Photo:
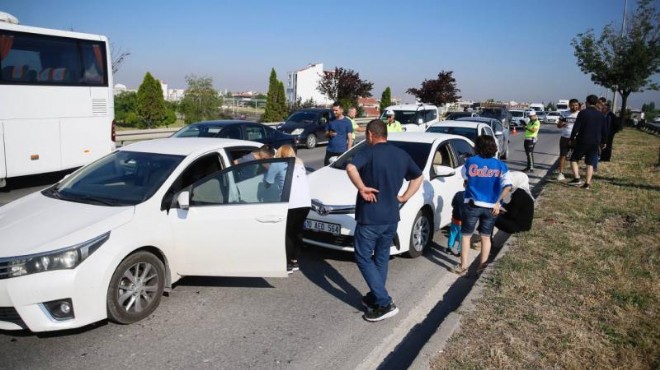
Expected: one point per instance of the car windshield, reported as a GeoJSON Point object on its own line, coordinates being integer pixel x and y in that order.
{"type": "Point", "coordinates": [118, 179]}
{"type": "Point", "coordinates": [515, 113]}
{"type": "Point", "coordinates": [199, 131]}
{"type": "Point", "coordinates": [302, 117]}
{"type": "Point", "coordinates": [495, 113]}
{"type": "Point", "coordinates": [403, 116]}
{"type": "Point", "coordinates": [418, 151]}
{"type": "Point", "coordinates": [468, 132]}
{"type": "Point", "coordinates": [553, 113]}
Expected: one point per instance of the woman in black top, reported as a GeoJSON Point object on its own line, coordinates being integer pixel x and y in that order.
{"type": "Point", "coordinates": [519, 212]}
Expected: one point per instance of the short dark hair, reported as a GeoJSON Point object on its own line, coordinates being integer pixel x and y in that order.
{"type": "Point", "coordinates": [377, 128]}
{"type": "Point", "coordinates": [592, 99]}
{"type": "Point", "coordinates": [573, 101]}
{"type": "Point", "coordinates": [485, 146]}
{"type": "Point", "coordinates": [337, 104]}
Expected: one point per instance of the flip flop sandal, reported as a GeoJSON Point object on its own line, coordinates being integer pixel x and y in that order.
{"type": "Point", "coordinates": [460, 271]}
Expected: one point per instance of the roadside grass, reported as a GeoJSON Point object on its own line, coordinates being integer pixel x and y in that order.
{"type": "Point", "coordinates": [580, 290]}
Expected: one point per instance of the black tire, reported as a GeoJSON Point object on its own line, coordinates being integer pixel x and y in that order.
{"type": "Point", "coordinates": [420, 235]}
{"type": "Point", "coordinates": [135, 288]}
{"type": "Point", "coordinates": [310, 142]}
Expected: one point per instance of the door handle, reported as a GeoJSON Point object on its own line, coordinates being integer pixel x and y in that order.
{"type": "Point", "coordinates": [270, 219]}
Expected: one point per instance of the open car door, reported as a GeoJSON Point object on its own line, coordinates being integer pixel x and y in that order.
{"type": "Point", "coordinates": [233, 223]}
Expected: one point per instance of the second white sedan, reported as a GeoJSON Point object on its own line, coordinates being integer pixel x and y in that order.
{"type": "Point", "coordinates": [331, 222]}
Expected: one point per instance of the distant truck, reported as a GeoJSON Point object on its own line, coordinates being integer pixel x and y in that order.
{"type": "Point", "coordinates": [562, 105]}
{"type": "Point", "coordinates": [537, 107]}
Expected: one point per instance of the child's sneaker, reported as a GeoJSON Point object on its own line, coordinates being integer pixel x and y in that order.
{"type": "Point", "coordinates": [561, 177]}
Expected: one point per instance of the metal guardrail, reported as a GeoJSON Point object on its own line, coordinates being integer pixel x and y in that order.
{"type": "Point", "coordinates": [650, 127]}
{"type": "Point", "coordinates": [129, 136]}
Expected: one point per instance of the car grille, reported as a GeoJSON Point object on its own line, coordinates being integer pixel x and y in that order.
{"type": "Point", "coordinates": [327, 238]}
{"type": "Point", "coordinates": [9, 314]}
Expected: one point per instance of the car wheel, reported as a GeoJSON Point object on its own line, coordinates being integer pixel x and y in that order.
{"type": "Point", "coordinates": [310, 142]}
{"type": "Point", "coordinates": [135, 288]}
{"type": "Point", "coordinates": [420, 235]}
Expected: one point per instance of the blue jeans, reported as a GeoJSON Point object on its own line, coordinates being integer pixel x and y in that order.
{"type": "Point", "coordinates": [372, 254]}
{"type": "Point", "coordinates": [474, 214]}
{"type": "Point", "coordinates": [455, 235]}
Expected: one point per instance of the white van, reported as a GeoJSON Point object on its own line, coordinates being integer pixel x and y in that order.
{"type": "Point", "coordinates": [413, 117]}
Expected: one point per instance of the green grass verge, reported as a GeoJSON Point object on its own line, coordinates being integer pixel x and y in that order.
{"type": "Point", "coordinates": [580, 290]}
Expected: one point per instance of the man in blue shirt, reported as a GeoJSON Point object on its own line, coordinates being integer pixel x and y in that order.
{"type": "Point", "coordinates": [339, 133]}
{"type": "Point", "coordinates": [378, 172]}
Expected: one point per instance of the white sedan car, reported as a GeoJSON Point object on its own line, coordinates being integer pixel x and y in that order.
{"type": "Point", "coordinates": [472, 130]}
{"type": "Point", "coordinates": [331, 222]}
{"type": "Point", "coordinates": [106, 241]}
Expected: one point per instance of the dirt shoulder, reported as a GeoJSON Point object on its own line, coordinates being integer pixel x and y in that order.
{"type": "Point", "coordinates": [581, 289]}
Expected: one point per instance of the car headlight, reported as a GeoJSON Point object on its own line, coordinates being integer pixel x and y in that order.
{"type": "Point", "coordinates": [61, 259]}
{"type": "Point", "coordinates": [297, 131]}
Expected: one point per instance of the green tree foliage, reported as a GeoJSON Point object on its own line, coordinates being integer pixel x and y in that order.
{"type": "Point", "coordinates": [299, 104]}
{"type": "Point", "coordinates": [551, 107]}
{"type": "Point", "coordinates": [276, 108]}
{"type": "Point", "coordinates": [623, 62]}
{"type": "Point", "coordinates": [439, 91]}
{"type": "Point", "coordinates": [386, 99]}
{"type": "Point", "coordinates": [125, 108]}
{"type": "Point", "coordinates": [345, 86]}
{"type": "Point", "coordinates": [201, 101]}
{"type": "Point", "coordinates": [151, 103]}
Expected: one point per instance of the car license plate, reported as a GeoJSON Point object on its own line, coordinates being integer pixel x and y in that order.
{"type": "Point", "coordinates": [322, 227]}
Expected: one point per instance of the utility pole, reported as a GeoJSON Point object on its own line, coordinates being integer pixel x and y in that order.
{"type": "Point", "coordinates": [623, 28]}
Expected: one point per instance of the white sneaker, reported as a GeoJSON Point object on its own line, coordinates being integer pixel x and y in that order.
{"type": "Point", "coordinates": [561, 177]}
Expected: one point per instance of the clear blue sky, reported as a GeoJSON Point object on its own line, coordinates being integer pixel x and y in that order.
{"type": "Point", "coordinates": [500, 49]}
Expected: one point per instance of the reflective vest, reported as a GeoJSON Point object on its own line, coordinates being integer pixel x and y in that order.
{"type": "Point", "coordinates": [530, 126]}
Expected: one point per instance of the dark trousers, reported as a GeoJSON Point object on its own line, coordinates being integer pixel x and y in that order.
{"type": "Point", "coordinates": [606, 154]}
{"type": "Point", "coordinates": [529, 150]}
{"type": "Point", "coordinates": [507, 225]}
{"type": "Point", "coordinates": [295, 220]}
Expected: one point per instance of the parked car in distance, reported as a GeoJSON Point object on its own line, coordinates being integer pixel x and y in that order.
{"type": "Point", "coordinates": [501, 113]}
{"type": "Point", "coordinates": [552, 117]}
{"type": "Point", "coordinates": [240, 130]}
{"type": "Point", "coordinates": [308, 125]}
{"type": "Point", "coordinates": [468, 129]}
{"type": "Point", "coordinates": [501, 133]}
{"type": "Point", "coordinates": [519, 117]}
{"type": "Point", "coordinates": [106, 241]}
{"type": "Point", "coordinates": [413, 117]}
{"type": "Point", "coordinates": [331, 222]}
{"type": "Point", "coordinates": [541, 115]}
{"type": "Point", "coordinates": [457, 115]}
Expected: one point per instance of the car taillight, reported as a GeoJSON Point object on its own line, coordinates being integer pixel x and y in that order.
{"type": "Point", "coordinates": [113, 134]}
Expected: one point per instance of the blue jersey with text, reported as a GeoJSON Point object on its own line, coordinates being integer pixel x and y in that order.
{"type": "Point", "coordinates": [486, 178]}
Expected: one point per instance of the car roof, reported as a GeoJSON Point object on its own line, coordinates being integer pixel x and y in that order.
{"type": "Point", "coordinates": [185, 146]}
{"type": "Point", "coordinates": [420, 137]}
{"type": "Point", "coordinates": [411, 107]}
{"type": "Point", "coordinates": [452, 123]}
{"type": "Point", "coordinates": [485, 120]}
{"type": "Point", "coordinates": [311, 110]}
{"type": "Point", "coordinates": [222, 122]}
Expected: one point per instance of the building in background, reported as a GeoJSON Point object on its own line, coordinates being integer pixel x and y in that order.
{"type": "Point", "coordinates": [303, 83]}
{"type": "Point", "coordinates": [370, 107]}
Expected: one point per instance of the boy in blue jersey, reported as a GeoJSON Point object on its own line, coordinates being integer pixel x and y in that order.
{"type": "Point", "coordinates": [487, 182]}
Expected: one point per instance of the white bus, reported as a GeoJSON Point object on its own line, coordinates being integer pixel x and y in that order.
{"type": "Point", "coordinates": [56, 100]}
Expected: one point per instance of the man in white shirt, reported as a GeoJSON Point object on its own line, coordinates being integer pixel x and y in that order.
{"type": "Point", "coordinates": [566, 122]}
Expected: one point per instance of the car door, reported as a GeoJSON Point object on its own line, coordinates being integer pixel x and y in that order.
{"type": "Point", "coordinates": [234, 224]}
{"type": "Point", "coordinates": [445, 187]}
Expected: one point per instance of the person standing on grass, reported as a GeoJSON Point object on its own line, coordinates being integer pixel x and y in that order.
{"type": "Point", "coordinates": [378, 172]}
{"type": "Point", "coordinates": [565, 123]}
{"type": "Point", "coordinates": [339, 132]}
{"type": "Point", "coordinates": [589, 134]}
{"type": "Point", "coordinates": [614, 126]}
{"type": "Point", "coordinates": [531, 135]}
{"type": "Point", "coordinates": [486, 184]}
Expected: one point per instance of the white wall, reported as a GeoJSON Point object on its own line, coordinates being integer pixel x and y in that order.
{"type": "Point", "coordinates": [303, 84]}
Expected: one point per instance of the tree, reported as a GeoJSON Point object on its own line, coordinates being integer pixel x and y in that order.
{"type": "Point", "coordinates": [439, 91]}
{"type": "Point", "coordinates": [201, 101]}
{"type": "Point", "coordinates": [386, 99]}
{"type": "Point", "coordinates": [125, 108]}
{"type": "Point", "coordinates": [623, 63]}
{"type": "Point", "coordinates": [151, 103]}
{"type": "Point", "coordinates": [344, 86]}
{"type": "Point", "coordinates": [276, 108]}
{"type": "Point", "coordinates": [118, 56]}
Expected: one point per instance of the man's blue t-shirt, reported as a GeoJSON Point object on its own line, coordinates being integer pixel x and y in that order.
{"type": "Point", "coordinates": [486, 178]}
{"type": "Point", "coordinates": [339, 142]}
{"type": "Point", "coordinates": [382, 166]}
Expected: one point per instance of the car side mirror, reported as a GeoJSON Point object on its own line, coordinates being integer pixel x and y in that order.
{"type": "Point", "coordinates": [443, 171]}
{"type": "Point", "coordinates": [420, 121]}
{"type": "Point", "coordinates": [499, 133]}
{"type": "Point", "coordinates": [332, 159]}
{"type": "Point", "coordinates": [183, 199]}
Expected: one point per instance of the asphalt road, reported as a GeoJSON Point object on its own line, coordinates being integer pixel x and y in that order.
{"type": "Point", "coordinates": [310, 320]}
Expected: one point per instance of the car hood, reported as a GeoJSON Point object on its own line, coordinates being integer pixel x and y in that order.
{"type": "Point", "coordinates": [332, 186]}
{"type": "Point", "coordinates": [37, 223]}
